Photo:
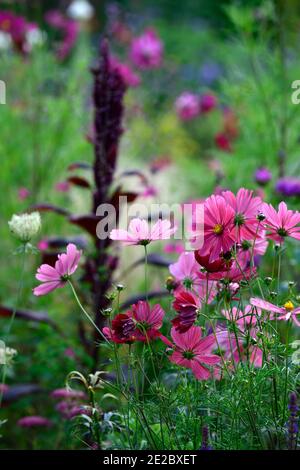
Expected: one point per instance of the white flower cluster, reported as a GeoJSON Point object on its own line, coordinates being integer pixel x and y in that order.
{"type": "Point", "coordinates": [6, 354]}
{"type": "Point", "coordinates": [25, 226]}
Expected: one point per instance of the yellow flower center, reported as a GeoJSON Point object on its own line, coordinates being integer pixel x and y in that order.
{"type": "Point", "coordinates": [218, 229]}
{"type": "Point", "coordinates": [289, 305]}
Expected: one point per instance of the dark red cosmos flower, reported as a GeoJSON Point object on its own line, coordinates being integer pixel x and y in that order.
{"type": "Point", "coordinates": [218, 265]}
{"type": "Point", "coordinates": [123, 329]}
{"type": "Point", "coordinates": [187, 305]}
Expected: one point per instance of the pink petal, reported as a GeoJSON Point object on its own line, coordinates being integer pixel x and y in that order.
{"type": "Point", "coordinates": [264, 305]}
{"type": "Point", "coordinates": [47, 273]}
{"type": "Point", "coordinates": [200, 372]}
{"type": "Point", "coordinates": [47, 287]}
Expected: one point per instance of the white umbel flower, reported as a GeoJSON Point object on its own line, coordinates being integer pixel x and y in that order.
{"type": "Point", "coordinates": [80, 10]}
{"type": "Point", "coordinates": [5, 41]}
{"type": "Point", "coordinates": [6, 354]}
{"type": "Point", "coordinates": [25, 226]}
{"type": "Point", "coordinates": [35, 37]}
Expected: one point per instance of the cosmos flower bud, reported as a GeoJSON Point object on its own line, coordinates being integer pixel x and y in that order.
{"type": "Point", "coordinates": [268, 281]}
{"type": "Point", "coordinates": [25, 226]}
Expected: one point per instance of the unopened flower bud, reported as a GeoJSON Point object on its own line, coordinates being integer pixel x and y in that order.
{"type": "Point", "coordinates": [170, 284]}
{"type": "Point", "coordinates": [120, 287]}
{"type": "Point", "coordinates": [106, 312]}
{"type": "Point", "coordinates": [261, 217]}
{"type": "Point", "coordinates": [273, 295]}
{"type": "Point", "coordinates": [25, 226]}
{"type": "Point", "coordinates": [268, 281]}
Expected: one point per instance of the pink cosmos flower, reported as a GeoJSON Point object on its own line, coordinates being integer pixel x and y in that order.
{"type": "Point", "coordinates": [243, 319]}
{"type": "Point", "coordinates": [140, 233]}
{"type": "Point", "coordinates": [34, 421]}
{"type": "Point", "coordinates": [194, 352]}
{"type": "Point", "coordinates": [252, 248]}
{"type": "Point", "coordinates": [140, 323]}
{"type": "Point", "coordinates": [147, 50]}
{"type": "Point", "coordinates": [23, 193]}
{"type": "Point", "coordinates": [286, 312]}
{"type": "Point", "coordinates": [246, 208]}
{"type": "Point", "coordinates": [52, 278]}
{"type": "Point", "coordinates": [187, 106]}
{"type": "Point", "coordinates": [246, 322]}
{"type": "Point", "coordinates": [218, 225]}
{"type": "Point", "coordinates": [186, 269]}
{"type": "Point", "coordinates": [207, 103]}
{"type": "Point", "coordinates": [281, 224]}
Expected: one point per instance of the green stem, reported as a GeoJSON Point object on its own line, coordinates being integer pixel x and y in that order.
{"type": "Point", "coordinates": [86, 313]}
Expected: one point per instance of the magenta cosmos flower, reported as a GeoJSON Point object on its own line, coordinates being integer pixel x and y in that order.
{"type": "Point", "coordinates": [130, 78]}
{"type": "Point", "coordinates": [54, 277]}
{"type": "Point", "coordinates": [286, 312]}
{"type": "Point", "coordinates": [34, 421]}
{"type": "Point", "coordinates": [194, 352]}
{"type": "Point", "coordinates": [281, 224]}
{"type": "Point", "coordinates": [140, 323]}
{"type": "Point", "coordinates": [140, 233]}
{"type": "Point", "coordinates": [207, 103]}
{"type": "Point", "coordinates": [218, 225]}
{"type": "Point", "coordinates": [147, 50]}
{"type": "Point", "coordinates": [187, 106]}
{"type": "Point", "coordinates": [246, 208]}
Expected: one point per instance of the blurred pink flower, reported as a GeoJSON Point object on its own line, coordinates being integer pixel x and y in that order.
{"type": "Point", "coordinates": [23, 193]}
{"type": "Point", "coordinates": [281, 224]}
{"type": "Point", "coordinates": [194, 352]}
{"type": "Point", "coordinates": [207, 103]}
{"type": "Point", "coordinates": [131, 79]}
{"type": "Point", "coordinates": [140, 233]}
{"type": "Point", "coordinates": [69, 353]}
{"type": "Point", "coordinates": [187, 106]}
{"type": "Point", "coordinates": [3, 388]}
{"type": "Point", "coordinates": [176, 248]}
{"type": "Point", "coordinates": [147, 50]}
{"type": "Point", "coordinates": [150, 191]}
{"type": "Point", "coordinates": [223, 142]}
{"type": "Point", "coordinates": [68, 28]}
{"type": "Point", "coordinates": [62, 186]}
{"type": "Point", "coordinates": [52, 278]}
{"type": "Point", "coordinates": [43, 245]}
{"type": "Point", "coordinates": [67, 394]}
{"type": "Point", "coordinates": [34, 421]}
